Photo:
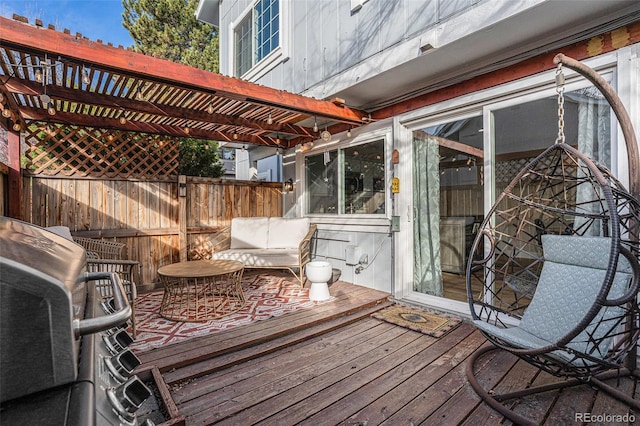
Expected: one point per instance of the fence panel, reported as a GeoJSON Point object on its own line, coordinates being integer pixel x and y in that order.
{"type": "Point", "coordinates": [144, 214]}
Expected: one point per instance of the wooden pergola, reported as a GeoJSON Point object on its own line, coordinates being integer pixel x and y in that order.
{"type": "Point", "coordinates": [58, 78]}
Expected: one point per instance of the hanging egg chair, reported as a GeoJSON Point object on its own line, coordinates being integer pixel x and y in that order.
{"type": "Point", "coordinates": [554, 277]}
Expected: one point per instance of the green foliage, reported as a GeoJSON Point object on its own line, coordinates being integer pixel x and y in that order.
{"type": "Point", "coordinates": [168, 29]}
{"type": "Point", "coordinates": [199, 158]}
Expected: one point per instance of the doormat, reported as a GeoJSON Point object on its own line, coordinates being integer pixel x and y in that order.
{"type": "Point", "coordinates": [429, 323]}
{"type": "Point", "coordinates": [268, 295]}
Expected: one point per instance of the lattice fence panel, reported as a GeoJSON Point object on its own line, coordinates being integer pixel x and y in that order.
{"type": "Point", "coordinates": [507, 170]}
{"type": "Point", "coordinates": [86, 151]}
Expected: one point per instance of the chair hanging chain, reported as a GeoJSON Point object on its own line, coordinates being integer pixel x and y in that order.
{"type": "Point", "coordinates": [560, 91]}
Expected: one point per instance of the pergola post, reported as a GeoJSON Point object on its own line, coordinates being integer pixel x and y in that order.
{"type": "Point", "coordinates": [182, 217]}
{"type": "Point", "coordinates": [15, 180]}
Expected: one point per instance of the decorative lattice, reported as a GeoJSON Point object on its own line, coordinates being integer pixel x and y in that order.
{"type": "Point", "coordinates": [87, 151]}
{"type": "Point", "coordinates": [507, 170]}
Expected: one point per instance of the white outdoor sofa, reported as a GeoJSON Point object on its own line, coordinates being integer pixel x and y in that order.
{"type": "Point", "coordinates": [268, 242]}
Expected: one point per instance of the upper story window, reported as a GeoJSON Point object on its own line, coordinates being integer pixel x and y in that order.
{"type": "Point", "coordinates": [267, 27]}
{"type": "Point", "coordinates": [257, 39]}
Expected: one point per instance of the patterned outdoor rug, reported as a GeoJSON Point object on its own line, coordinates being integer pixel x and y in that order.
{"type": "Point", "coordinates": [268, 295]}
{"type": "Point", "coordinates": [430, 323]}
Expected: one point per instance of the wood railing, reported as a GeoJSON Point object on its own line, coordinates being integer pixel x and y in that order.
{"type": "Point", "coordinates": [158, 226]}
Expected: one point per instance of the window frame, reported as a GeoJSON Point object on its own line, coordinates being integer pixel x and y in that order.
{"type": "Point", "coordinates": [338, 145]}
{"type": "Point", "coordinates": [278, 55]}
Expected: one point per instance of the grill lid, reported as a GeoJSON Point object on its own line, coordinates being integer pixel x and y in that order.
{"type": "Point", "coordinates": [42, 291]}
{"type": "Point", "coordinates": [40, 249]}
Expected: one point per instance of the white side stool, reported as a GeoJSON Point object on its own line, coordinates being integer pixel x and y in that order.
{"type": "Point", "coordinates": [319, 273]}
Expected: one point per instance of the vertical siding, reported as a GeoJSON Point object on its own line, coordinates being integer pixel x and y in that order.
{"type": "Point", "coordinates": [420, 15]}
{"type": "Point", "coordinates": [229, 12]}
{"type": "Point", "coordinates": [447, 9]}
{"type": "Point", "coordinates": [398, 13]}
{"type": "Point", "coordinates": [369, 22]}
{"type": "Point", "coordinates": [312, 31]}
{"type": "Point", "coordinates": [297, 69]}
{"type": "Point", "coordinates": [325, 38]}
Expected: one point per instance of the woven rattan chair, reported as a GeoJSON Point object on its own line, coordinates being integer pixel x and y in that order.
{"type": "Point", "coordinates": [555, 275]}
{"type": "Point", "coordinates": [108, 256]}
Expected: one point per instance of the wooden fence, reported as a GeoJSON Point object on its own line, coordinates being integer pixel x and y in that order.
{"type": "Point", "coordinates": [158, 226]}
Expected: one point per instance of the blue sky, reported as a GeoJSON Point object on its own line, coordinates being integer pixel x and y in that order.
{"type": "Point", "coordinates": [94, 19]}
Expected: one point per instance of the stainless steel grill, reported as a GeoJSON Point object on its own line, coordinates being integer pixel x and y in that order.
{"type": "Point", "coordinates": [64, 357]}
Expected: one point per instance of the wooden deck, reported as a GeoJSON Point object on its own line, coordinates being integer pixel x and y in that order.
{"type": "Point", "coordinates": [335, 364]}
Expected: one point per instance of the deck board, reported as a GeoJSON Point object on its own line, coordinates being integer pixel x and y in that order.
{"type": "Point", "coordinates": [310, 351]}
{"type": "Point", "coordinates": [177, 355]}
{"type": "Point", "coordinates": [280, 390]}
{"type": "Point", "coordinates": [571, 401]}
{"type": "Point", "coordinates": [335, 364]}
{"type": "Point", "coordinates": [535, 406]}
{"type": "Point", "coordinates": [331, 387]}
{"type": "Point", "coordinates": [605, 404]}
{"type": "Point", "coordinates": [451, 398]}
{"type": "Point", "coordinates": [383, 396]}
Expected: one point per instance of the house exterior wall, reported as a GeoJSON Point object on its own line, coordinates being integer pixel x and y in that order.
{"type": "Point", "coordinates": [326, 37]}
{"type": "Point", "coordinates": [334, 47]}
{"type": "Point", "coordinates": [344, 240]}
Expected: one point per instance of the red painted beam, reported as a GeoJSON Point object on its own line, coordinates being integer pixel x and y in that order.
{"type": "Point", "coordinates": [29, 37]}
{"type": "Point", "coordinates": [597, 45]}
{"type": "Point", "coordinates": [61, 117]}
{"type": "Point", "coordinates": [101, 100]}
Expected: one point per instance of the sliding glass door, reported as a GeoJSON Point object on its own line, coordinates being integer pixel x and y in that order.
{"type": "Point", "coordinates": [459, 166]}
{"type": "Point", "coordinates": [448, 204]}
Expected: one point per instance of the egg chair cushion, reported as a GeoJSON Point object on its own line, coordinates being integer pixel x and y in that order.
{"type": "Point", "coordinates": [572, 276]}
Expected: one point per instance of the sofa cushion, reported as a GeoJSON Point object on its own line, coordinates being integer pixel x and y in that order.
{"type": "Point", "coordinates": [287, 232]}
{"type": "Point", "coordinates": [267, 258]}
{"type": "Point", "coordinates": [249, 232]}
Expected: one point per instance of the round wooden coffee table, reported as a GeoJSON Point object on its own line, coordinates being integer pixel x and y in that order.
{"type": "Point", "coordinates": [201, 290]}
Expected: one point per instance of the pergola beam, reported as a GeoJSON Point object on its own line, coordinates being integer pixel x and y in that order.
{"type": "Point", "coordinates": [24, 36]}
{"type": "Point", "coordinates": [38, 114]}
{"type": "Point", "coordinates": [134, 106]}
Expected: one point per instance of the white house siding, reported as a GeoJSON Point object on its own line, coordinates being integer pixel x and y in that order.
{"type": "Point", "coordinates": [368, 235]}
{"type": "Point", "coordinates": [229, 11]}
{"type": "Point", "coordinates": [377, 50]}
{"type": "Point", "coordinates": [334, 246]}
{"type": "Point", "coordinates": [327, 38]}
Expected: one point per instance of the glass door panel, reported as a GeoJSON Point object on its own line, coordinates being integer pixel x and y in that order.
{"type": "Point", "coordinates": [458, 166]}
{"type": "Point", "coordinates": [448, 201]}
{"type": "Point", "coordinates": [522, 131]}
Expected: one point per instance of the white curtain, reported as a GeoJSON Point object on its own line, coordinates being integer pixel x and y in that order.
{"type": "Point", "coordinates": [594, 140]}
{"type": "Point", "coordinates": [427, 272]}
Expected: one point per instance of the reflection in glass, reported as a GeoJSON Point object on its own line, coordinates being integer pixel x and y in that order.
{"type": "Point", "coordinates": [322, 183]}
{"type": "Point", "coordinates": [364, 181]}
{"type": "Point", "coordinates": [347, 181]}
